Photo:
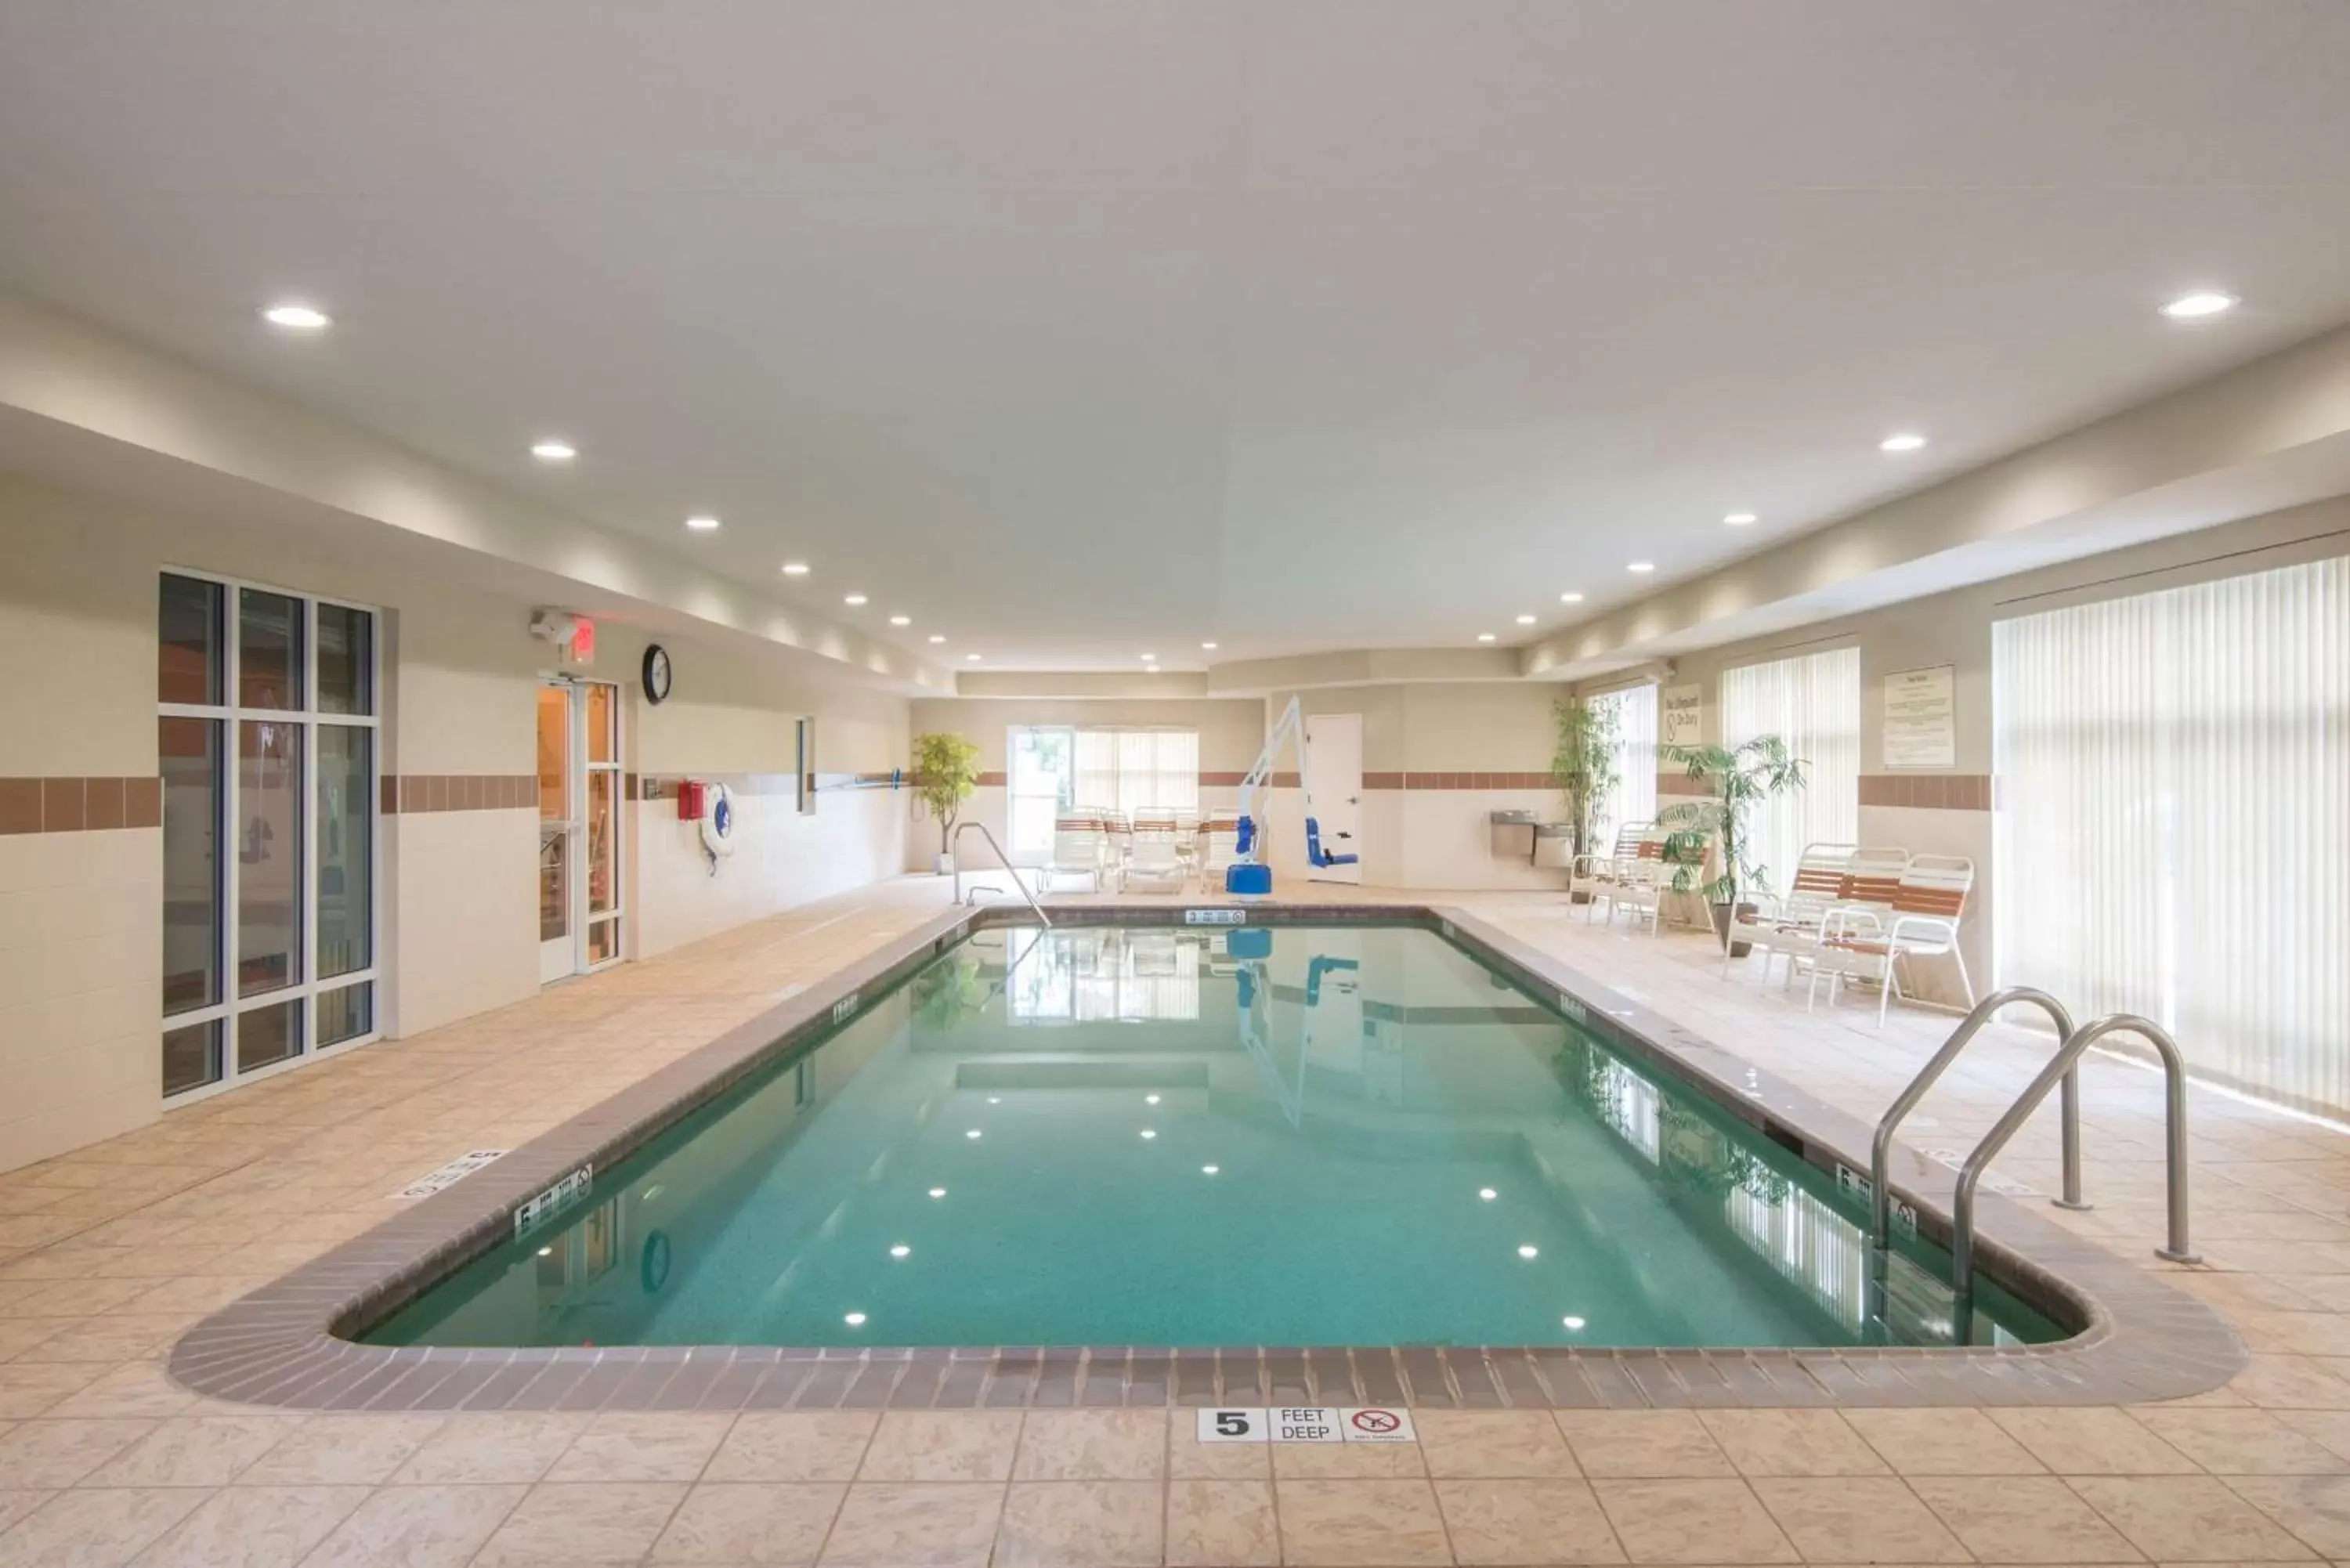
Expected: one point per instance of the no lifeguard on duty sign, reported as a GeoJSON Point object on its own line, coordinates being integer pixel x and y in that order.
{"type": "Point", "coordinates": [1307, 1424]}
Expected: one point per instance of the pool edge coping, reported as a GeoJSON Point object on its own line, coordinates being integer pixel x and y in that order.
{"type": "Point", "coordinates": [282, 1344]}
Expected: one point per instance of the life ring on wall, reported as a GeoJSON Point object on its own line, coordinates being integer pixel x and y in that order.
{"type": "Point", "coordinates": [718, 826]}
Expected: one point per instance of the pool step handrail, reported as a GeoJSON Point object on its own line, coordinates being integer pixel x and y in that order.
{"type": "Point", "coordinates": [2064, 1065]}
{"type": "Point", "coordinates": [955, 854]}
{"type": "Point", "coordinates": [1880, 1153]}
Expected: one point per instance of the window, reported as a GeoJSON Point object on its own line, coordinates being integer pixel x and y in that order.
{"type": "Point", "coordinates": [2173, 819]}
{"type": "Point", "coordinates": [1053, 768]}
{"type": "Point", "coordinates": [804, 733]}
{"type": "Point", "coordinates": [1813, 702]}
{"type": "Point", "coordinates": [266, 735]}
{"type": "Point", "coordinates": [1633, 798]}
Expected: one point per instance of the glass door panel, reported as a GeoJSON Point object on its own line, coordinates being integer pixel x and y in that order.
{"type": "Point", "coordinates": [268, 858]}
{"type": "Point", "coordinates": [1040, 782]}
{"type": "Point", "coordinates": [555, 954]}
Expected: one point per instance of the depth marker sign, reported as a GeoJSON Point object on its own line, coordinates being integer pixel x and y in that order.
{"type": "Point", "coordinates": [1307, 1424]}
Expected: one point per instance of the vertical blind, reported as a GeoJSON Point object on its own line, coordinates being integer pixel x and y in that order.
{"type": "Point", "coordinates": [1813, 702]}
{"type": "Point", "coordinates": [2173, 832]}
{"type": "Point", "coordinates": [1139, 770]}
{"type": "Point", "coordinates": [1635, 798]}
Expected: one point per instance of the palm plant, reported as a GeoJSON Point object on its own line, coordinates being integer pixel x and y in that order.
{"type": "Point", "coordinates": [1584, 764]}
{"type": "Point", "coordinates": [1736, 779]}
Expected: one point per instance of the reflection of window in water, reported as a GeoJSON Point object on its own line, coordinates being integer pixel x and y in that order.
{"type": "Point", "coordinates": [584, 1252]}
{"type": "Point", "coordinates": [1627, 1102]}
{"type": "Point", "coordinates": [1807, 1242]}
{"type": "Point", "coordinates": [1107, 975]}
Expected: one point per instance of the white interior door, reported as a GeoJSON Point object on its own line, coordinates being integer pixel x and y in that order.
{"type": "Point", "coordinates": [1334, 758]}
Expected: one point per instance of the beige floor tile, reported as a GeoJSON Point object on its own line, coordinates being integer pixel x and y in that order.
{"type": "Point", "coordinates": [2292, 1383]}
{"type": "Point", "coordinates": [1792, 1443]}
{"type": "Point", "coordinates": [492, 1447]}
{"type": "Point", "coordinates": [16, 1502]}
{"type": "Point", "coordinates": [1356, 1523]}
{"type": "Point", "coordinates": [793, 1446]}
{"type": "Point", "coordinates": [2241, 1443]}
{"type": "Point", "coordinates": [1081, 1525]}
{"type": "Point", "coordinates": [95, 1529]}
{"type": "Point", "coordinates": [60, 1453]}
{"type": "Point", "coordinates": [1093, 1445]}
{"type": "Point", "coordinates": [771, 1524]}
{"type": "Point", "coordinates": [30, 1389]}
{"type": "Point", "coordinates": [254, 1527]}
{"type": "Point", "coordinates": [1187, 1456]}
{"type": "Point", "coordinates": [583, 1521]}
{"type": "Point", "coordinates": [417, 1527]}
{"type": "Point", "coordinates": [896, 1525]}
{"type": "Point", "coordinates": [1857, 1518]}
{"type": "Point", "coordinates": [1494, 1443]}
{"type": "Point", "coordinates": [623, 1446]}
{"type": "Point", "coordinates": [1221, 1523]}
{"type": "Point", "coordinates": [1643, 1445]}
{"type": "Point", "coordinates": [206, 1450]}
{"type": "Point", "coordinates": [342, 1450]}
{"type": "Point", "coordinates": [2188, 1518]}
{"type": "Point", "coordinates": [140, 1389]}
{"type": "Point", "coordinates": [2092, 1442]}
{"type": "Point", "coordinates": [943, 1446]}
{"type": "Point", "coordinates": [2022, 1519]}
{"type": "Point", "coordinates": [2316, 1509]}
{"type": "Point", "coordinates": [1943, 1443]}
{"type": "Point", "coordinates": [1692, 1521]}
{"type": "Point", "coordinates": [1526, 1521]}
{"type": "Point", "coordinates": [1345, 1461]}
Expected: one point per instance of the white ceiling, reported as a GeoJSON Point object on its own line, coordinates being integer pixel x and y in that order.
{"type": "Point", "coordinates": [1077, 329]}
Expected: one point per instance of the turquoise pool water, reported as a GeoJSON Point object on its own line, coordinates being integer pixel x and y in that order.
{"type": "Point", "coordinates": [1276, 1136]}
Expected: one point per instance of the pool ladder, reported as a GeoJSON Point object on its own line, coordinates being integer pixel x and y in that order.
{"type": "Point", "coordinates": [954, 852]}
{"type": "Point", "coordinates": [2063, 1068]}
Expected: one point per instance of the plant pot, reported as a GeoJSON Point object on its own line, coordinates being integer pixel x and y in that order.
{"type": "Point", "coordinates": [1580, 895]}
{"type": "Point", "coordinates": [944, 864]}
{"type": "Point", "coordinates": [1721, 928]}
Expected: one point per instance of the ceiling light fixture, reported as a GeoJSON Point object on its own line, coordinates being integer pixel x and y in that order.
{"type": "Point", "coordinates": [2202, 302]}
{"type": "Point", "coordinates": [1905, 440]}
{"type": "Point", "coordinates": [1526, 620]}
{"type": "Point", "coordinates": [1641, 567]}
{"type": "Point", "coordinates": [853, 601]}
{"type": "Point", "coordinates": [702, 522]}
{"type": "Point", "coordinates": [1484, 637]}
{"type": "Point", "coordinates": [973, 658]}
{"type": "Point", "coordinates": [1570, 598]}
{"type": "Point", "coordinates": [795, 568]}
{"type": "Point", "coordinates": [1739, 519]}
{"type": "Point", "coordinates": [938, 637]}
{"type": "Point", "coordinates": [1208, 646]}
{"type": "Point", "coordinates": [902, 621]}
{"type": "Point", "coordinates": [297, 317]}
{"type": "Point", "coordinates": [1148, 656]}
{"type": "Point", "coordinates": [552, 451]}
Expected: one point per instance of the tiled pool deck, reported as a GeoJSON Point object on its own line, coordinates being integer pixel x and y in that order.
{"type": "Point", "coordinates": [113, 1253]}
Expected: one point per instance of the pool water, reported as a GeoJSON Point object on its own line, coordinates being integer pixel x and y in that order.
{"type": "Point", "coordinates": [1354, 1134]}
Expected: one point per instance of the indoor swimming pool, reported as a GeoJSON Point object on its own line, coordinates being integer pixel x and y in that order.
{"type": "Point", "coordinates": [1287, 1135]}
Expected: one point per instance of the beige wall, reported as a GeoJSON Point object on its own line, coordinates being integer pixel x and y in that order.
{"type": "Point", "coordinates": [80, 912]}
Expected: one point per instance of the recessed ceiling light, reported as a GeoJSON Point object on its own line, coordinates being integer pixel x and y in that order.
{"type": "Point", "coordinates": [973, 656]}
{"type": "Point", "coordinates": [936, 637]}
{"type": "Point", "coordinates": [1907, 441]}
{"type": "Point", "coordinates": [2202, 302]}
{"type": "Point", "coordinates": [1641, 567]}
{"type": "Point", "coordinates": [1148, 656]}
{"type": "Point", "coordinates": [297, 317]}
{"type": "Point", "coordinates": [552, 451]}
{"type": "Point", "coordinates": [702, 522]}
{"type": "Point", "coordinates": [1208, 646]}
{"type": "Point", "coordinates": [1739, 519]}
{"type": "Point", "coordinates": [1484, 637]}
{"type": "Point", "coordinates": [852, 600]}
{"type": "Point", "coordinates": [1570, 598]}
{"type": "Point", "coordinates": [1150, 669]}
{"type": "Point", "coordinates": [902, 621]}
{"type": "Point", "coordinates": [1526, 620]}
{"type": "Point", "coordinates": [795, 568]}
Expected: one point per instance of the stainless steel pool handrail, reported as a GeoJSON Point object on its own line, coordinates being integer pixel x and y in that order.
{"type": "Point", "coordinates": [2064, 1064]}
{"type": "Point", "coordinates": [1880, 1153]}
{"type": "Point", "coordinates": [955, 854]}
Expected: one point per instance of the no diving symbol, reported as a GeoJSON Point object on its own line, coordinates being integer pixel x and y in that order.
{"type": "Point", "coordinates": [1377, 1423]}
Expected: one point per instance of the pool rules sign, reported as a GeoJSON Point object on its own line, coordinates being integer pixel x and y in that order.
{"type": "Point", "coordinates": [1307, 1424]}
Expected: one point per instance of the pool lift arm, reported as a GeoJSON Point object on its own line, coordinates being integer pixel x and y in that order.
{"type": "Point", "coordinates": [1249, 875]}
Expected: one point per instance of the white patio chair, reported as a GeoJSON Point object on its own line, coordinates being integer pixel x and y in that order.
{"type": "Point", "coordinates": [1118, 842]}
{"type": "Point", "coordinates": [1601, 875]}
{"type": "Point", "coordinates": [1076, 850]}
{"type": "Point", "coordinates": [1929, 903]}
{"type": "Point", "coordinates": [1220, 847]}
{"type": "Point", "coordinates": [1782, 925]}
{"type": "Point", "coordinates": [1648, 880]}
{"type": "Point", "coordinates": [1154, 859]}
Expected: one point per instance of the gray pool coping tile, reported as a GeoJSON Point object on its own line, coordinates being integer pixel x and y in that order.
{"type": "Point", "coordinates": [290, 1344]}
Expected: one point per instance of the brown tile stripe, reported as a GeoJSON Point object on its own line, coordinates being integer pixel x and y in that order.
{"type": "Point", "coordinates": [79, 805]}
{"type": "Point", "coordinates": [2138, 1338]}
{"type": "Point", "coordinates": [663, 787]}
{"type": "Point", "coordinates": [1932, 791]}
{"type": "Point", "coordinates": [1379, 781]}
{"type": "Point", "coordinates": [408, 793]}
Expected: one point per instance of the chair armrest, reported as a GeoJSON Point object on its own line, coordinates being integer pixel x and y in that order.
{"type": "Point", "coordinates": [1940, 930]}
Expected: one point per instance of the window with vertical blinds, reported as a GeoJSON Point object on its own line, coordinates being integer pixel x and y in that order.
{"type": "Point", "coordinates": [1813, 702]}
{"type": "Point", "coordinates": [1139, 770]}
{"type": "Point", "coordinates": [2173, 832]}
{"type": "Point", "coordinates": [1635, 795]}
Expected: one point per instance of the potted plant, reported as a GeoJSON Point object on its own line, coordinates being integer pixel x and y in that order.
{"type": "Point", "coordinates": [1583, 765]}
{"type": "Point", "coordinates": [946, 772]}
{"type": "Point", "coordinates": [1736, 779]}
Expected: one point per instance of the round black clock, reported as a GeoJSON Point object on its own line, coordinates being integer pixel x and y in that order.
{"type": "Point", "coordinates": [657, 674]}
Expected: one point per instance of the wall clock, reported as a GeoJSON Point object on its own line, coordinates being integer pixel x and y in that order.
{"type": "Point", "coordinates": [657, 674]}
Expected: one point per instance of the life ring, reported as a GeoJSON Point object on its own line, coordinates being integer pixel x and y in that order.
{"type": "Point", "coordinates": [718, 824]}
{"type": "Point", "coordinates": [652, 1264]}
